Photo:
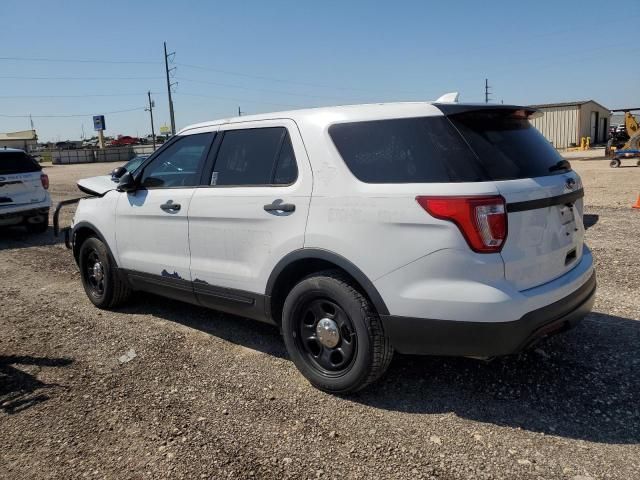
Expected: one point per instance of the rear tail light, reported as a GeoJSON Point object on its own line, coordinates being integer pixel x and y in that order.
{"type": "Point", "coordinates": [482, 220]}
{"type": "Point", "coordinates": [44, 179]}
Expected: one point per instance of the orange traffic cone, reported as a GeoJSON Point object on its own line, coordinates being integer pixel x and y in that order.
{"type": "Point", "coordinates": [637, 205]}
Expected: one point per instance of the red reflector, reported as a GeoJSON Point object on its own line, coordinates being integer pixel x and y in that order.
{"type": "Point", "coordinates": [481, 220]}
{"type": "Point", "coordinates": [44, 178]}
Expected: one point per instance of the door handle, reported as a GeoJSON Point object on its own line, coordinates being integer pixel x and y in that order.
{"type": "Point", "coordinates": [277, 206]}
{"type": "Point", "coordinates": [170, 207]}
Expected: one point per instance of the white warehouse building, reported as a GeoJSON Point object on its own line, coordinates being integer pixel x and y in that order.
{"type": "Point", "coordinates": [564, 124]}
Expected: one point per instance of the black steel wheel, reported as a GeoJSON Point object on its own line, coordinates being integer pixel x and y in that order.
{"type": "Point", "coordinates": [94, 273]}
{"type": "Point", "coordinates": [100, 278]}
{"type": "Point", "coordinates": [333, 334]}
{"type": "Point", "coordinates": [326, 335]}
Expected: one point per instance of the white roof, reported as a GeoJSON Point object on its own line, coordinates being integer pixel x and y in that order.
{"type": "Point", "coordinates": [329, 115]}
{"type": "Point", "coordinates": [21, 135]}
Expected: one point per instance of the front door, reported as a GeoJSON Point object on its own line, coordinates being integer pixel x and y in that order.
{"type": "Point", "coordinates": [152, 229]}
{"type": "Point", "coordinates": [253, 213]}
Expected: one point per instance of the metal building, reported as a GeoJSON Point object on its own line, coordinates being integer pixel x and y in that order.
{"type": "Point", "coordinates": [24, 140]}
{"type": "Point", "coordinates": [564, 124]}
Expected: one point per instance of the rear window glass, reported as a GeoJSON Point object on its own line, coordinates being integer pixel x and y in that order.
{"type": "Point", "coordinates": [508, 146]}
{"type": "Point", "coordinates": [406, 150]}
{"type": "Point", "coordinates": [466, 147]}
{"type": "Point", "coordinates": [17, 162]}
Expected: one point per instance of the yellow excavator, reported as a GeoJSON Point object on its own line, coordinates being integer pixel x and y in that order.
{"type": "Point", "coordinates": [624, 142]}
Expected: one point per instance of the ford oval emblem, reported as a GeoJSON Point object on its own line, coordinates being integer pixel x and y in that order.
{"type": "Point", "coordinates": [570, 184]}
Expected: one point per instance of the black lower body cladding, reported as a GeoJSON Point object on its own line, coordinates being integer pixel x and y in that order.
{"type": "Point", "coordinates": [422, 336]}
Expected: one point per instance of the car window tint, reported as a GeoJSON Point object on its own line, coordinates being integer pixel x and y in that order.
{"type": "Point", "coordinates": [507, 145]}
{"type": "Point", "coordinates": [406, 150]}
{"type": "Point", "coordinates": [17, 162]}
{"type": "Point", "coordinates": [286, 167]}
{"type": "Point", "coordinates": [246, 157]}
{"type": "Point", "coordinates": [179, 164]}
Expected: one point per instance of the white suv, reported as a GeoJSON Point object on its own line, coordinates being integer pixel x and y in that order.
{"type": "Point", "coordinates": [423, 228]}
{"type": "Point", "coordinates": [24, 199]}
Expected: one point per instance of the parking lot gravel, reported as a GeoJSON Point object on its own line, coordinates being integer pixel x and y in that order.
{"type": "Point", "coordinates": [161, 389]}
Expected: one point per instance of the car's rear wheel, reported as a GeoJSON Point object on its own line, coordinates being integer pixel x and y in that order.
{"type": "Point", "coordinates": [614, 163]}
{"type": "Point", "coordinates": [100, 278]}
{"type": "Point", "coordinates": [333, 334]}
{"type": "Point", "coordinates": [40, 225]}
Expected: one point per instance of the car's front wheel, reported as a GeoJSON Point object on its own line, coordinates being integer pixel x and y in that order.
{"type": "Point", "coordinates": [333, 334]}
{"type": "Point", "coordinates": [100, 278]}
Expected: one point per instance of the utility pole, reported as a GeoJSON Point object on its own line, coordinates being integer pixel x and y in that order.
{"type": "Point", "coordinates": [153, 132]}
{"type": "Point", "coordinates": [239, 111]}
{"type": "Point", "coordinates": [169, 85]}
{"type": "Point", "coordinates": [486, 90]}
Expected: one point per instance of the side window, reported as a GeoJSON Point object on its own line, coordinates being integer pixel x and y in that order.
{"type": "Point", "coordinates": [179, 164]}
{"type": "Point", "coordinates": [254, 157]}
{"type": "Point", "coordinates": [286, 169]}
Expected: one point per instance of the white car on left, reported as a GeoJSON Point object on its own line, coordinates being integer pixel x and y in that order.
{"type": "Point", "coordinates": [24, 199]}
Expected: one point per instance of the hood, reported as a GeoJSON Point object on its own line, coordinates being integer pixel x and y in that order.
{"type": "Point", "coordinates": [97, 185]}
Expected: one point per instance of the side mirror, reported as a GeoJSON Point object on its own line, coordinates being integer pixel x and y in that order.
{"type": "Point", "coordinates": [126, 183]}
{"type": "Point", "coordinates": [117, 172]}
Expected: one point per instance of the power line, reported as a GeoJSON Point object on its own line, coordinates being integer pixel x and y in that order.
{"type": "Point", "coordinates": [241, 100]}
{"type": "Point", "coordinates": [277, 92]}
{"type": "Point", "coordinates": [283, 80]}
{"type": "Point", "coordinates": [19, 77]}
{"type": "Point", "coordinates": [75, 96]}
{"type": "Point", "coordinates": [76, 60]}
{"type": "Point", "coordinates": [72, 114]}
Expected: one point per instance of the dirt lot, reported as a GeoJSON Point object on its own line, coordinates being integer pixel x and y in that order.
{"type": "Point", "coordinates": [161, 389]}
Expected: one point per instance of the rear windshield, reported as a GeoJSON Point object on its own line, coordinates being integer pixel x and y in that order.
{"type": "Point", "coordinates": [17, 162]}
{"type": "Point", "coordinates": [466, 147]}
{"type": "Point", "coordinates": [507, 145]}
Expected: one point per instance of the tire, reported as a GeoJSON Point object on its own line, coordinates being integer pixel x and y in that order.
{"type": "Point", "coordinates": [349, 365]}
{"type": "Point", "coordinates": [39, 227]}
{"type": "Point", "coordinates": [607, 149]}
{"type": "Point", "coordinates": [614, 163]}
{"type": "Point", "coordinates": [103, 285]}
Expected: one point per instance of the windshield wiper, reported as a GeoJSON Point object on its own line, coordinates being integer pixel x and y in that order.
{"type": "Point", "coordinates": [560, 165]}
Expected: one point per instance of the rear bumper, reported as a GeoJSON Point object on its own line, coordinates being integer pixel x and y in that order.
{"type": "Point", "coordinates": [18, 216]}
{"type": "Point", "coordinates": [489, 339]}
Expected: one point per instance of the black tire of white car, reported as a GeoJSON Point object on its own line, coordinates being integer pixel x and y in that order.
{"type": "Point", "coordinates": [100, 279]}
{"type": "Point", "coordinates": [355, 319]}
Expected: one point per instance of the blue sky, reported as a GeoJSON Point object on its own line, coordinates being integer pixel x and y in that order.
{"type": "Point", "coordinates": [277, 55]}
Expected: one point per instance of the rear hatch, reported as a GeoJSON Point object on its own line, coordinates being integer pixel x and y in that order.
{"type": "Point", "coordinates": [20, 181]}
{"type": "Point", "coordinates": [543, 195]}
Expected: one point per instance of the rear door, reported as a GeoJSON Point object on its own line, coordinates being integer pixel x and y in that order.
{"type": "Point", "coordinates": [253, 212]}
{"type": "Point", "coordinates": [543, 195]}
{"type": "Point", "coordinates": [20, 182]}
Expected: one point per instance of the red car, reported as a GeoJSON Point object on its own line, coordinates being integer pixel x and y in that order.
{"type": "Point", "coordinates": [124, 140]}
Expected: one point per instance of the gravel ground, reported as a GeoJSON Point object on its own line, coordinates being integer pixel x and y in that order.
{"type": "Point", "coordinates": [161, 389]}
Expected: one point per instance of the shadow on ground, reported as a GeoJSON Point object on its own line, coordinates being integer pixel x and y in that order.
{"type": "Point", "coordinates": [583, 384]}
{"type": "Point", "coordinates": [238, 330]}
{"type": "Point", "coordinates": [590, 219]}
{"type": "Point", "coordinates": [20, 390]}
{"type": "Point", "coordinates": [18, 237]}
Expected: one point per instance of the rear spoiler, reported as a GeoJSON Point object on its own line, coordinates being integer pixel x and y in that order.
{"type": "Point", "coordinates": [457, 108]}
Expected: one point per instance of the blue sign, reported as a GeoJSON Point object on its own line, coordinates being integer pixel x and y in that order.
{"type": "Point", "coordinates": [98, 123]}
